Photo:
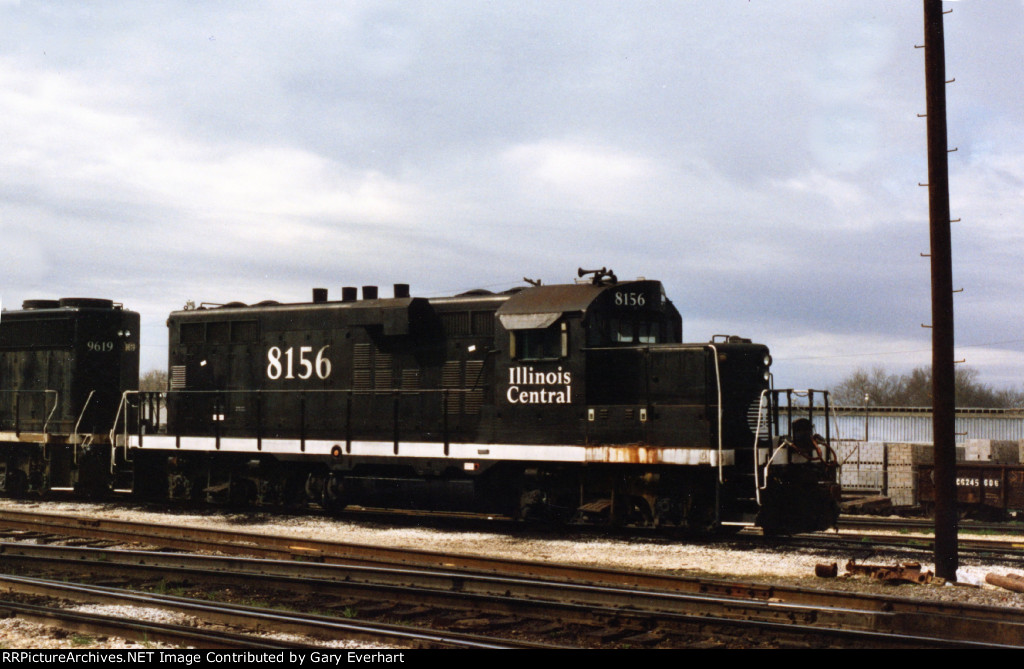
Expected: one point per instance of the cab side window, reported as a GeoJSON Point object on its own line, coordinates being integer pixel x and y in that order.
{"type": "Point", "coordinates": [550, 343]}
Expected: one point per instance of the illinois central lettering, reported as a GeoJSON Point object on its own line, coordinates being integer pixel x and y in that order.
{"type": "Point", "coordinates": [528, 386]}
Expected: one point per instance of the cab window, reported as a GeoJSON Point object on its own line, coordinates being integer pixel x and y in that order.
{"type": "Point", "coordinates": [548, 343]}
{"type": "Point", "coordinates": [627, 331]}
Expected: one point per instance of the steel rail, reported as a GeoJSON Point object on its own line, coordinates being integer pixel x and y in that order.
{"type": "Point", "coordinates": [132, 628]}
{"type": "Point", "coordinates": [261, 618]}
{"type": "Point", "coordinates": [995, 549]}
{"type": "Point", "coordinates": [969, 527]}
{"type": "Point", "coordinates": [557, 601]}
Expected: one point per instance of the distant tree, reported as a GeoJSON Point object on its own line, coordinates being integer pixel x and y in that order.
{"type": "Point", "coordinates": [914, 389]}
{"type": "Point", "coordinates": [877, 384]}
{"type": "Point", "coordinates": [155, 380]}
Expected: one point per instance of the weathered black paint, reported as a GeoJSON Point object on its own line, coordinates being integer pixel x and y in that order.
{"type": "Point", "coordinates": [63, 351]}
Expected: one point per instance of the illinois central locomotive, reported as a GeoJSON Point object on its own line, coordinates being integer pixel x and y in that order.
{"type": "Point", "coordinates": [563, 402]}
{"type": "Point", "coordinates": [64, 366]}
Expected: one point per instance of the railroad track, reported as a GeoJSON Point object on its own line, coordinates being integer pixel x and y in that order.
{"type": "Point", "coordinates": [588, 615]}
{"type": "Point", "coordinates": [235, 542]}
{"type": "Point", "coordinates": [233, 615]}
{"type": "Point", "coordinates": [1009, 528]}
{"type": "Point", "coordinates": [998, 550]}
{"type": "Point", "coordinates": [914, 539]}
{"type": "Point", "coordinates": [87, 624]}
{"type": "Point", "coordinates": [609, 606]}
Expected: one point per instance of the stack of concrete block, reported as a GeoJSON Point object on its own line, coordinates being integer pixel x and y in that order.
{"type": "Point", "coordinates": [863, 465]}
{"type": "Point", "coordinates": [998, 451]}
{"type": "Point", "coordinates": [902, 479]}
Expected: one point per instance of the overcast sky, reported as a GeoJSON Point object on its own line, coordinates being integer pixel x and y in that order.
{"type": "Point", "coordinates": [761, 158]}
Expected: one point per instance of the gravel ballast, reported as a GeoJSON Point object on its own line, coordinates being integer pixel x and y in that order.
{"type": "Point", "coordinates": [727, 560]}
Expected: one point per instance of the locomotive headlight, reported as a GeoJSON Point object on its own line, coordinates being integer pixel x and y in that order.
{"type": "Point", "coordinates": [767, 360]}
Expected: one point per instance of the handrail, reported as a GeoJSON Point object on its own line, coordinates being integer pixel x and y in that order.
{"type": "Point", "coordinates": [81, 415]}
{"type": "Point", "coordinates": [783, 445]}
{"type": "Point", "coordinates": [121, 427]}
{"type": "Point", "coordinates": [56, 402]}
{"type": "Point", "coordinates": [718, 389]}
{"type": "Point", "coordinates": [826, 455]}
{"type": "Point", "coordinates": [113, 430]}
{"type": "Point", "coordinates": [17, 409]}
{"type": "Point", "coordinates": [761, 418]}
{"type": "Point", "coordinates": [326, 391]}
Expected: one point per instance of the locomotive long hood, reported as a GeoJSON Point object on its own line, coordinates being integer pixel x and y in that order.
{"type": "Point", "coordinates": [394, 316]}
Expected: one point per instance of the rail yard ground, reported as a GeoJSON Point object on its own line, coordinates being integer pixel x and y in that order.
{"type": "Point", "coordinates": [739, 559]}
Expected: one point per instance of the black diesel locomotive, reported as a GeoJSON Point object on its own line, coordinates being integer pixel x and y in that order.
{"type": "Point", "coordinates": [564, 402]}
{"type": "Point", "coordinates": [64, 366]}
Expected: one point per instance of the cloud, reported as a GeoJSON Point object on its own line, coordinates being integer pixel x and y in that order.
{"type": "Point", "coordinates": [108, 160]}
{"type": "Point", "coordinates": [760, 158]}
{"type": "Point", "coordinates": [21, 254]}
{"type": "Point", "coordinates": [580, 174]}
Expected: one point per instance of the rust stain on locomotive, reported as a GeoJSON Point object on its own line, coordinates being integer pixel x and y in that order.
{"type": "Point", "coordinates": [639, 454]}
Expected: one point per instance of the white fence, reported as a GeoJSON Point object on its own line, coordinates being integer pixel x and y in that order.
{"type": "Point", "coordinates": [915, 424]}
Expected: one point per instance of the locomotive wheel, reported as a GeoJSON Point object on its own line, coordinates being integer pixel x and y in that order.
{"type": "Point", "coordinates": [241, 493]}
{"type": "Point", "coordinates": [15, 484]}
{"type": "Point", "coordinates": [639, 513]}
{"type": "Point", "coordinates": [699, 515]}
{"type": "Point", "coordinates": [293, 490]}
{"type": "Point", "coordinates": [333, 499]}
{"type": "Point", "coordinates": [531, 504]}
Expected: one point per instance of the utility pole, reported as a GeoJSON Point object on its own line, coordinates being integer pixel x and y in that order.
{"type": "Point", "coordinates": [943, 374]}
